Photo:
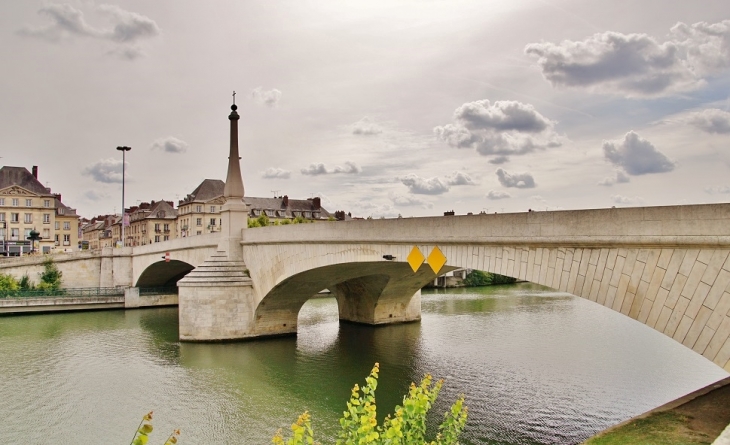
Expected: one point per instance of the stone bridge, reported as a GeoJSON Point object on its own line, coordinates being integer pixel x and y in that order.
{"type": "Point", "coordinates": [666, 267]}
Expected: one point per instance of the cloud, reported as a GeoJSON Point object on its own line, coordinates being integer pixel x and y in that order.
{"type": "Point", "coordinates": [276, 173]}
{"type": "Point", "coordinates": [459, 178]}
{"type": "Point", "coordinates": [421, 186]}
{"type": "Point", "coordinates": [269, 98]}
{"type": "Point", "coordinates": [67, 22]}
{"type": "Point", "coordinates": [93, 195]}
{"type": "Point", "coordinates": [626, 200]}
{"type": "Point", "coordinates": [711, 121]}
{"type": "Point", "coordinates": [108, 171]}
{"type": "Point", "coordinates": [366, 127]}
{"type": "Point", "coordinates": [518, 180]}
{"type": "Point", "coordinates": [499, 160]}
{"type": "Point", "coordinates": [350, 168]}
{"type": "Point", "coordinates": [314, 170]}
{"type": "Point", "coordinates": [636, 156]}
{"type": "Point", "coordinates": [320, 169]}
{"type": "Point", "coordinates": [409, 201]}
{"type": "Point", "coordinates": [722, 189]}
{"type": "Point", "coordinates": [496, 194]}
{"type": "Point", "coordinates": [619, 177]}
{"type": "Point", "coordinates": [637, 65]}
{"type": "Point", "coordinates": [376, 210]}
{"type": "Point", "coordinates": [170, 144]}
{"type": "Point", "coordinates": [501, 128]}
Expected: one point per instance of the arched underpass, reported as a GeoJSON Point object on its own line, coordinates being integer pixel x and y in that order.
{"type": "Point", "coordinates": [163, 274]}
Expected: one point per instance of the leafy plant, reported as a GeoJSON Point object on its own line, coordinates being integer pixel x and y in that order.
{"type": "Point", "coordinates": [407, 426]}
{"type": "Point", "coordinates": [8, 282]}
{"type": "Point", "coordinates": [51, 276]}
{"type": "Point", "coordinates": [479, 278]}
{"type": "Point", "coordinates": [141, 436]}
{"type": "Point", "coordinates": [25, 283]}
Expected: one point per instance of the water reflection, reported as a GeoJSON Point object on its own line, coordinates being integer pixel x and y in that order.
{"type": "Point", "coordinates": [537, 367]}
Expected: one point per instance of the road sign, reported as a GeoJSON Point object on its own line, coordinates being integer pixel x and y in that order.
{"type": "Point", "coordinates": [436, 259]}
{"type": "Point", "coordinates": [415, 258]}
{"type": "Point", "coordinates": [167, 257]}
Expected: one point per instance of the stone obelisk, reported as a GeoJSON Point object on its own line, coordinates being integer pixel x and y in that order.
{"type": "Point", "coordinates": [234, 214]}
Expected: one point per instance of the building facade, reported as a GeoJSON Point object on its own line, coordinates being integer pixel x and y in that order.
{"type": "Point", "coordinates": [151, 222]}
{"type": "Point", "coordinates": [26, 205]}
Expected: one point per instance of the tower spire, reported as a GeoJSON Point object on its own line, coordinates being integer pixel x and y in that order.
{"type": "Point", "coordinates": [234, 182]}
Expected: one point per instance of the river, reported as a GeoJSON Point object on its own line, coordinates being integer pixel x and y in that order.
{"type": "Point", "coordinates": [536, 366]}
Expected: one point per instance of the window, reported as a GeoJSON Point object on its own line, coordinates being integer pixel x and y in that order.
{"type": "Point", "coordinates": [28, 218]}
{"type": "Point", "coordinates": [61, 211]}
{"type": "Point", "coordinates": [28, 202]}
{"type": "Point", "coordinates": [14, 234]}
{"type": "Point", "coordinates": [46, 203]}
{"type": "Point", "coordinates": [58, 225]}
{"type": "Point", "coordinates": [14, 217]}
{"type": "Point", "coordinates": [56, 239]}
{"type": "Point", "coordinates": [46, 218]}
{"type": "Point", "coordinates": [269, 212]}
{"type": "Point", "coordinates": [166, 228]}
{"type": "Point", "coordinates": [157, 238]}
{"type": "Point", "coordinates": [16, 202]}
{"type": "Point", "coordinates": [26, 233]}
{"type": "Point", "coordinates": [157, 227]}
{"type": "Point", "coordinates": [199, 222]}
{"type": "Point", "coordinates": [46, 233]}
{"type": "Point", "coordinates": [2, 201]}
{"type": "Point", "coordinates": [66, 225]}
{"type": "Point", "coordinates": [212, 221]}
{"type": "Point", "coordinates": [307, 214]}
{"type": "Point", "coordinates": [66, 239]}
{"type": "Point", "coordinates": [212, 209]}
{"type": "Point", "coordinates": [198, 209]}
{"type": "Point", "coordinates": [198, 232]}
{"type": "Point", "coordinates": [2, 233]}
{"type": "Point", "coordinates": [166, 237]}
{"type": "Point", "coordinates": [2, 216]}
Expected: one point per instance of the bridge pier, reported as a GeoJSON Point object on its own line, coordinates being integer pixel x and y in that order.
{"type": "Point", "coordinates": [369, 300]}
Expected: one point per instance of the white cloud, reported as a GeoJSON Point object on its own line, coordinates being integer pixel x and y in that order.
{"type": "Point", "coordinates": [637, 64]}
{"type": "Point", "coordinates": [518, 180]}
{"type": "Point", "coordinates": [627, 200]}
{"type": "Point", "coordinates": [497, 194]}
{"type": "Point", "coordinates": [314, 170]}
{"type": "Point", "coordinates": [93, 195]}
{"type": "Point", "coordinates": [350, 167]}
{"type": "Point", "coordinates": [499, 160]}
{"type": "Point", "coordinates": [108, 171]}
{"type": "Point", "coordinates": [711, 121]}
{"type": "Point", "coordinates": [321, 169]}
{"type": "Point", "coordinates": [501, 128]}
{"type": "Point", "coordinates": [269, 98]}
{"type": "Point", "coordinates": [275, 173]}
{"type": "Point", "coordinates": [636, 156]}
{"type": "Point", "coordinates": [421, 186]}
{"type": "Point", "coordinates": [408, 201]}
{"type": "Point", "coordinates": [619, 177]}
{"type": "Point", "coordinates": [722, 189]}
{"type": "Point", "coordinates": [459, 178]}
{"type": "Point", "coordinates": [68, 21]}
{"type": "Point", "coordinates": [170, 144]}
{"type": "Point", "coordinates": [366, 127]}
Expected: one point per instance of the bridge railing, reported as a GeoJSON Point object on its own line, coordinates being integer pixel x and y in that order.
{"type": "Point", "coordinates": [80, 292]}
{"type": "Point", "coordinates": [161, 290]}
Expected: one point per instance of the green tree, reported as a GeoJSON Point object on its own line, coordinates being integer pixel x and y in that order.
{"type": "Point", "coordinates": [479, 278]}
{"type": "Point", "coordinates": [263, 220]}
{"type": "Point", "coordinates": [407, 426]}
{"type": "Point", "coordinates": [25, 283]}
{"type": "Point", "coordinates": [8, 283]}
{"type": "Point", "coordinates": [51, 276]}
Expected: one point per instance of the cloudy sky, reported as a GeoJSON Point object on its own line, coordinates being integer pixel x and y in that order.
{"type": "Point", "coordinates": [380, 107]}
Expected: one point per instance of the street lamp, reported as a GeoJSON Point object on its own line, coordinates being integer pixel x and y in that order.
{"type": "Point", "coordinates": [124, 151]}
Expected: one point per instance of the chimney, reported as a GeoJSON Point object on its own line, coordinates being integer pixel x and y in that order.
{"type": "Point", "coordinates": [285, 201]}
{"type": "Point", "coordinates": [35, 171]}
{"type": "Point", "coordinates": [58, 196]}
{"type": "Point", "coordinates": [316, 203]}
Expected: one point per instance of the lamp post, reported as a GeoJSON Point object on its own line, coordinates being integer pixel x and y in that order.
{"type": "Point", "coordinates": [124, 151]}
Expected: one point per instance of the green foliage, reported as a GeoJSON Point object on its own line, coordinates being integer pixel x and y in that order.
{"type": "Point", "coordinates": [8, 283]}
{"type": "Point", "coordinates": [331, 218]}
{"type": "Point", "coordinates": [285, 222]}
{"type": "Point", "coordinates": [253, 223]}
{"type": "Point", "coordinates": [51, 276]}
{"type": "Point", "coordinates": [407, 426]}
{"type": "Point", "coordinates": [263, 220]}
{"type": "Point", "coordinates": [25, 283]}
{"type": "Point", "coordinates": [142, 435]}
{"type": "Point", "coordinates": [479, 278]}
{"type": "Point", "coordinates": [299, 220]}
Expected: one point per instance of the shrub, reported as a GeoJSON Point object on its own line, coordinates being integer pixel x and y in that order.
{"type": "Point", "coordinates": [141, 436]}
{"type": "Point", "coordinates": [479, 278]}
{"type": "Point", "coordinates": [8, 283]}
{"type": "Point", "coordinates": [407, 426]}
{"type": "Point", "coordinates": [51, 276]}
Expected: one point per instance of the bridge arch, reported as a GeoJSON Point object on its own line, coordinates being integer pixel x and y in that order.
{"type": "Point", "coordinates": [163, 274]}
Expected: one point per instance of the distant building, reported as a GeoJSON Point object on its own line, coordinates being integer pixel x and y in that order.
{"type": "Point", "coordinates": [199, 211]}
{"type": "Point", "coordinates": [26, 205]}
{"type": "Point", "coordinates": [97, 233]}
{"type": "Point", "coordinates": [151, 223]}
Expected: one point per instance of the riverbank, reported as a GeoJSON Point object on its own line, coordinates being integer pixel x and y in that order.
{"type": "Point", "coordinates": [696, 418]}
{"type": "Point", "coordinates": [130, 300]}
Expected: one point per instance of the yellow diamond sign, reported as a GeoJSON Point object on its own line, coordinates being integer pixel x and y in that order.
{"type": "Point", "coordinates": [436, 260]}
{"type": "Point", "coordinates": [415, 258]}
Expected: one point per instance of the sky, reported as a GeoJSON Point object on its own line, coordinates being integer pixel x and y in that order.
{"type": "Point", "coordinates": [380, 107]}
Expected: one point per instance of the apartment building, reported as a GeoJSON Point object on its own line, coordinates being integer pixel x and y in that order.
{"type": "Point", "coordinates": [151, 223]}
{"type": "Point", "coordinates": [26, 205]}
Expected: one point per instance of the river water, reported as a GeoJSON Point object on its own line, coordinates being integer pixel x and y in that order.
{"type": "Point", "coordinates": [537, 367]}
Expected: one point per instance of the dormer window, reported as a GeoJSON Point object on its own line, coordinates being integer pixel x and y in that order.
{"type": "Point", "coordinates": [269, 213]}
{"type": "Point", "coordinates": [307, 214]}
{"type": "Point", "coordinates": [161, 214]}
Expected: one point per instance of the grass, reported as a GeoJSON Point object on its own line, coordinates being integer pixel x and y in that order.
{"type": "Point", "coordinates": [665, 428]}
